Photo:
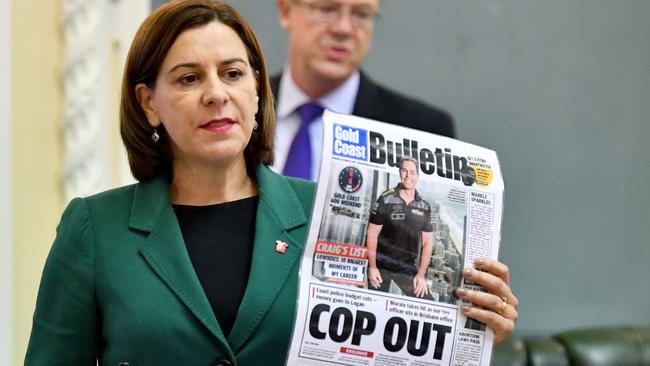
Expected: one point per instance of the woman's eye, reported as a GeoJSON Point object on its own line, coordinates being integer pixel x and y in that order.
{"type": "Point", "coordinates": [233, 74]}
{"type": "Point", "coordinates": [188, 79]}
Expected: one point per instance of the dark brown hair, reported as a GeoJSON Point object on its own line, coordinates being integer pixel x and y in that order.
{"type": "Point", "coordinates": [148, 159]}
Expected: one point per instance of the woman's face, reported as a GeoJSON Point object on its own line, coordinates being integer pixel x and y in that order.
{"type": "Point", "coordinates": [205, 96]}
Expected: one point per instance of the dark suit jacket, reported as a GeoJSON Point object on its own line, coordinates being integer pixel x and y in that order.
{"type": "Point", "coordinates": [377, 102]}
{"type": "Point", "coordinates": [118, 284]}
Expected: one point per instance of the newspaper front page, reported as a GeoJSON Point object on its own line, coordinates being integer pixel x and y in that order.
{"type": "Point", "coordinates": [360, 302]}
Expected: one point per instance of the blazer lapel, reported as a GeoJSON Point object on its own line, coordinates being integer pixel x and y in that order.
{"type": "Point", "coordinates": [366, 103]}
{"type": "Point", "coordinates": [164, 250]}
{"type": "Point", "coordinates": [279, 213]}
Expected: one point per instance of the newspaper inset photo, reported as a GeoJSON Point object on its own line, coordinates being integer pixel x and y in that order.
{"type": "Point", "coordinates": [385, 231]}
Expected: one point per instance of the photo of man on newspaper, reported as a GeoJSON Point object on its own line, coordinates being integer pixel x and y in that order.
{"type": "Point", "coordinates": [400, 231]}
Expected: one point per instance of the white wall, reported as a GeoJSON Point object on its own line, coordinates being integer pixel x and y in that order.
{"type": "Point", "coordinates": [5, 185]}
{"type": "Point", "coordinates": [129, 15]}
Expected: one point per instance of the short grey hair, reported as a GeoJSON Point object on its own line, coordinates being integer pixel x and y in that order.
{"type": "Point", "coordinates": [411, 159]}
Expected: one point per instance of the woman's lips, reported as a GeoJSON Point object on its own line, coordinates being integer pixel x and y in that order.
{"type": "Point", "coordinates": [221, 125]}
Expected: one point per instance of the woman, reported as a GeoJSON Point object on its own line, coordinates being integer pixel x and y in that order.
{"type": "Point", "coordinates": [181, 268]}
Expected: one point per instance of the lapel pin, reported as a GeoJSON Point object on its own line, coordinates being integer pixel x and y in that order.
{"type": "Point", "coordinates": [281, 246]}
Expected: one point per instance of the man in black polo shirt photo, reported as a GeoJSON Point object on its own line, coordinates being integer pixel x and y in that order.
{"type": "Point", "coordinates": [400, 231]}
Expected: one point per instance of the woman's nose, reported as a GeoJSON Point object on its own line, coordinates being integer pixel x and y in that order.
{"type": "Point", "coordinates": [215, 92]}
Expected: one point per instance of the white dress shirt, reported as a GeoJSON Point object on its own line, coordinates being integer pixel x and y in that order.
{"type": "Point", "coordinates": [290, 97]}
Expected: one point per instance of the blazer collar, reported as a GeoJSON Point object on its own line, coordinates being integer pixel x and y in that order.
{"type": "Point", "coordinates": [149, 200]}
{"type": "Point", "coordinates": [279, 198]}
{"type": "Point", "coordinates": [366, 101]}
{"type": "Point", "coordinates": [279, 213]}
{"type": "Point", "coordinates": [152, 197]}
{"type": "Point", "coordinates": [280, 216]}
{"type": "Point", "coordinates": [164, 251]}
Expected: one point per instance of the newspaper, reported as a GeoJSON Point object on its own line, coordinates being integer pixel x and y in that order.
{"type": "Point", "coordinates": [361, 226]}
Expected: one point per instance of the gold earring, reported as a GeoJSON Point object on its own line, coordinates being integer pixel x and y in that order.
{"type": "Point", "coordinates": [155, 136]}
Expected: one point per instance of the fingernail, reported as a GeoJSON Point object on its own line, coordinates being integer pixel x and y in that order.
{"type": "Point", "coordinates": [479, 262]}
{"type": "Point", "coordinates": [466, 308]}
{"type": "Point", "coordinates": [461, 292]}
{"type": "Point", "coordinates": [467, 272]}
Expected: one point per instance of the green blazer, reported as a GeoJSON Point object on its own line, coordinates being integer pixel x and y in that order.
{"type": "Point", "coordinates": [118, 284]}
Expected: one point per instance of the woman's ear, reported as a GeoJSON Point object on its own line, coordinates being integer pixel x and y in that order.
{"type": "Point", "coordinates": [145, 99]}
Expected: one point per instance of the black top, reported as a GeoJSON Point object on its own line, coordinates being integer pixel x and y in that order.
{"type": "Point", "coordinates": [398, 244]}
{"type": "Point", "coordinates": [219, 239]}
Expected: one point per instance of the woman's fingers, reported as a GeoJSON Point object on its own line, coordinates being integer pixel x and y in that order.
{"type": "Point", "coordinates": [494, 267]}
{"type": "Point", "coordinates": [500, 306]}
{"type": "Point", "coordinates": [497, 305]}
{"type": "Point", "coordinates": [501, 326]}
{"type": "Point", "coordinates": [494, 282]}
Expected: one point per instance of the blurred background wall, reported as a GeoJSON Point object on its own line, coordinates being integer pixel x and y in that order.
{"type": "Point", "coordinates": [561, 90]}
{"type": "Point", "coordinates": [558, 88]}
{"type": "Point", "coordinates": [60, 71]}
{"type": "Point", "coordinates": [33, 202]}
{"type": "Point", "coordinates": [6, 222]}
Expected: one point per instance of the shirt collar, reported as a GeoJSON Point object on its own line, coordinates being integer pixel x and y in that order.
{"type": "Point", "coordinates": [340, 100]}
{"type": "Point", "coordinates": [399, 187]}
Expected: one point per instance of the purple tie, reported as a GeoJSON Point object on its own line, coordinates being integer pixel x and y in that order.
{"type": "Point", "coordinates": [299, 159]}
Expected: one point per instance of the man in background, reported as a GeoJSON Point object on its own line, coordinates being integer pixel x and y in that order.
{"type": "Point", "coordinates": [328, 41]}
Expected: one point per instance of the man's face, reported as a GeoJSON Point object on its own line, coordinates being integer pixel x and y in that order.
{"type": "Point", "coordinates": [408, 174]}
{"type": "Point", "coordinates": [328, 39]}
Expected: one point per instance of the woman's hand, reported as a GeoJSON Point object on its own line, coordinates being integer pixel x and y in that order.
{"type": "Point", "coordinates": [498, 306]}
